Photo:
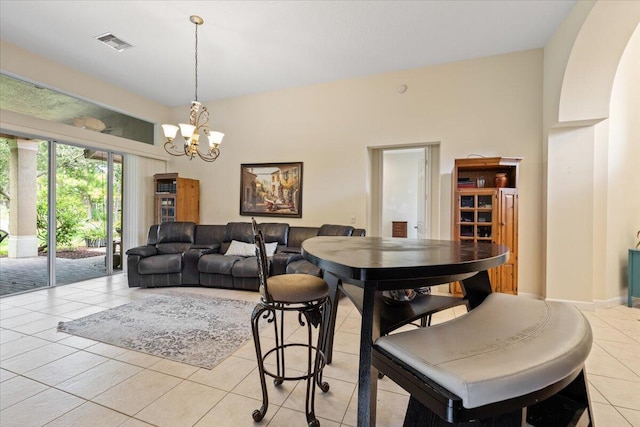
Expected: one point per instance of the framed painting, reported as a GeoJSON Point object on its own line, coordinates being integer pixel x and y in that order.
{"type": "Point", "coordinates": [271, 189]}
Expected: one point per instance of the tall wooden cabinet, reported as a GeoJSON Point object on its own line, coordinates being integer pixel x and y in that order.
{"type": "Point", "coordinates": [485, 209]}
{"type": "Point", "coordinates": [176, 198]}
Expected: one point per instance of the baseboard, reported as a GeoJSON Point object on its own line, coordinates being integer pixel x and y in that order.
{"type": "Point", "coordinates": [592, 306]}
{"type": "Point", "coordinates": [611, 302]}
{"type": "Point", "coordinates": [530, 296]}
{"type": "Point", "coordinates": [582, 305]}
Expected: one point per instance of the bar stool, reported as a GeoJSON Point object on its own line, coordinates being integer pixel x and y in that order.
{"type": "Point", "coordinates": [306, 294]}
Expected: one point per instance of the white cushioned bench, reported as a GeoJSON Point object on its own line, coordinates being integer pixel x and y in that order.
{"type": "Point", "coordinates": [508, 347]}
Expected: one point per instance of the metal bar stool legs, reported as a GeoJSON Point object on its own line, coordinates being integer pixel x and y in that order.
{"type": "Point", "coordinates": [308, 296]}
{"type": "Point", "coordinates": [310, 315]}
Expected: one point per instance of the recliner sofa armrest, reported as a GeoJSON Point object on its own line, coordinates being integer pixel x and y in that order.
{"type": "Point", "coordinates": [143, 251]}
{"type": "Point", "coordinates": [280, 261]}
{"type": "Point", "coordinates": [289, 250]}
{"type": "Point", "coordinates": [190, 257]}
{"type": "Point", "coordinates": [213, 248]}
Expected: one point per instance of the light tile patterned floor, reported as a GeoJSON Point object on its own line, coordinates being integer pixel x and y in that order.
{"type": "Point", "coordinates": [54, 379]}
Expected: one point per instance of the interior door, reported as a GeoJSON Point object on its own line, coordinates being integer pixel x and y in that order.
{"type": "Point", "coordinates": [421, 195]}
{"type": "Point", "coordinates": [401, 183]}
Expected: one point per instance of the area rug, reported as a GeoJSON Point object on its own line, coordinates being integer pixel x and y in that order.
{"type": "Point", "coordinates": [194, 329]}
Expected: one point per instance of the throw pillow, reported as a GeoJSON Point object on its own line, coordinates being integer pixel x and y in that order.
{"type": "Point", "coordinates": [248, 249]}
{"type": "Point", "coordinates": [241, 249]}
{"type": "Point", "coordinates": [271, 248]}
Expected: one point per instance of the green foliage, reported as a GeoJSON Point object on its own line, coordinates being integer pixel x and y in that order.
{"type": "Point", "coordinates": [95, 231]}
{"type": "Point", "coordinates": [80, 192]}
{"type": "Point", "coordinates": [4, 168]}
{"type": "Point", "coordinates": [68, 220]}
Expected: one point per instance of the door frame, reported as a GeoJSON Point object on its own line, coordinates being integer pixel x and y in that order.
{"type": "Point", "coordinates": [431, 200]}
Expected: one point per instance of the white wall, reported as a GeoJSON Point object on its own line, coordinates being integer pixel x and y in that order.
{"type": "Point", "coordinates": [570, 198]}
{"type": "Point", "coordinates": [623, 203]}
{"type": "Point", "coordinates": [591, 168]}
{"type": "Point", "coordinates": [489, 106]}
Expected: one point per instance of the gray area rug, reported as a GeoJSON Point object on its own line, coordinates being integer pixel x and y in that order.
{"type": "Point", "coordinates": [194, 329]}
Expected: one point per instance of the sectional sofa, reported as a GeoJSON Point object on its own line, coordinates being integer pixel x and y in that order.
{"type": "Point", "coordinates": [186, 254]}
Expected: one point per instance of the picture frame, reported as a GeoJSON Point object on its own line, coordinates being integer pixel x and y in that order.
{"type": "Point", "coordinates": [271, 189]}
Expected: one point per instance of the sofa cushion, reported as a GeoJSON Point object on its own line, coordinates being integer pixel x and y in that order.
{"type": "Point", "coordinates": [208, 235]}
{"type": "Point", "coordinates": [335, 230]}
{"type": "Point", "coordinates": [247, 267]}
{"type": "Point", "coordinates": [152, 236]}
{"type": "Point", "coordinates": [217, 263]}
{"type": "Point", "coordinates": [172, 248]}
{"type": "Point", "coordinates": [240, 231]}
{"type": "Point", "coordinates": [297, 235]}
{"type": "Point", "coordinates": [161, 264]}
{"type": "Point", "coordinates": [303, 266]}
{"type": "Point", "coordinates": [275, 232]}
{"type": "Point", "coordinates": [176, 232]}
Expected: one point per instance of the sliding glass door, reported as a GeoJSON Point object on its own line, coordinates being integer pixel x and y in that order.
{"type": "Point", "coordinates": [63, 212]}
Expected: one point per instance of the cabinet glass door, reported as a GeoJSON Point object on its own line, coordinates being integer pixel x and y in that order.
{"type": "Point", "coordinates": [484, 217]}
{"type": "Point", "coordinates": [476, 215]}
{"type": "Point", "coordinates": [167, 208]}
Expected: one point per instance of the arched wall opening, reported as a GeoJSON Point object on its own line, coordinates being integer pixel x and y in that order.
{"type": "Point", "coordinates": [592, 182]}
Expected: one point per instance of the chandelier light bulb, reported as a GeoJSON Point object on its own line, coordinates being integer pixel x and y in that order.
{"type": "Point", "coordinates": [170, 131]}
{"type": "Point", "coordinates": [215, 138]}
{"type": "Point", "coordinates": [187, 130]}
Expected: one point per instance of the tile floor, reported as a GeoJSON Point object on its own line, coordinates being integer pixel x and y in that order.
{"type": "Point", "coordinates": [54, 379]}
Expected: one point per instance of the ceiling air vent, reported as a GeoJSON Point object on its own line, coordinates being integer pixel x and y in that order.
{"type": "Point", "coordinates": [113, 42]}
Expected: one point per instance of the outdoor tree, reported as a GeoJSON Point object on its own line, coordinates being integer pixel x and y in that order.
{"type": "Point", "coordinates": [80, 192]}
{"type": "Point", "coordinates": [4, 170]}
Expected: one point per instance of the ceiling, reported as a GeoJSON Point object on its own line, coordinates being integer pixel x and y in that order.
{"type": "Point", "coordinates": [248, 47]}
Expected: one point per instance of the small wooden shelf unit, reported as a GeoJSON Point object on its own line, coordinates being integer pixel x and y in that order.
{"type": "Point", "coordinates": [488, 214]}
{"type": "Point", "coordinates": [176, 198]}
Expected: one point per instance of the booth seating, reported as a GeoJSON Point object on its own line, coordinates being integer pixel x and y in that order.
{"type": "Point", "coordinates": [511, 361]}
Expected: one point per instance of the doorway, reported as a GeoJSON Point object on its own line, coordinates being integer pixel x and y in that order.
{"type": "Point", "coordinates": [405, 184]}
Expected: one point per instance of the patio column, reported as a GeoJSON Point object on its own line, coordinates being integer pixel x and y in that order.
{"type": "Point", "coordinates": [23, 240]}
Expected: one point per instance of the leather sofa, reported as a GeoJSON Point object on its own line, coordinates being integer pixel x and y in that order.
{"type": "Point", "coordinates": [186, 254]}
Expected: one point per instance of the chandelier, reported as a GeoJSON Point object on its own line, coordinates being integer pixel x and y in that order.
{"type": "Point", "coordinates": [198, 119]}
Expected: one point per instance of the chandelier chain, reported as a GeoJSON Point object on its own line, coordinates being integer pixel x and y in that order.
{"type": "Point", "coordinates": [196, 97]}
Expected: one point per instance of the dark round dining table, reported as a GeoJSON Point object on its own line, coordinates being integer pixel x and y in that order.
{"type": "Point", "coordinates": [378, 264]}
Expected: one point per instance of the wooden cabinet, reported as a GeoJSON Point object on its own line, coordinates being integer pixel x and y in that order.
{"type": "Point", "coordinates": [483, 212]}
{"type": "Point", "coordinates": [398, 228]}
{"type": "Point", "coordinates": [176, 198]}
